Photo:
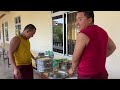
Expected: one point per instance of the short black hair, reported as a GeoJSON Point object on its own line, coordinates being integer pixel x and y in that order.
{"type": "Point", "coordinates": [30, 27]}
{"type": "Point", "coordinates": [88, 14]}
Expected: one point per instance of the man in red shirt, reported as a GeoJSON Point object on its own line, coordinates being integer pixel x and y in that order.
{"type": "Point", "coordinates": [92, 47]}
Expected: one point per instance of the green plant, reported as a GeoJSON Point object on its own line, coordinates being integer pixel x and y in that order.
{"type": "Point", "coordinates": [57, 34]}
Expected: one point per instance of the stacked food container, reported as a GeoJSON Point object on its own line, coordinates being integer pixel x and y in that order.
{"type": "Point", "coordinates": [44, 64]}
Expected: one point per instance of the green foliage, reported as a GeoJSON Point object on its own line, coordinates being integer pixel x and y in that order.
{"type": "Point", "coordinates": [57, 34]}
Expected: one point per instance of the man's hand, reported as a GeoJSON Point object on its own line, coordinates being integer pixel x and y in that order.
{"type": "Point", "coordinates": [17, 73]}
{"type": "Point", "coordinates": [71, 72]}
{"type": "Point", "coordinates": [34, 58]}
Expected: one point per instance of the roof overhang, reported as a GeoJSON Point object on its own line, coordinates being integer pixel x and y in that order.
{"type": "Point", "coordinates": [3, 13]}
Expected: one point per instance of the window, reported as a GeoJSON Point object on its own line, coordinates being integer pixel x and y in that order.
{"type": "Point", "coordinates": [71, 32]}
{"type": "Point", "coordinates": [17, 25]}
{"type": "Point", "coordinates": [6, 31]}
{"type": "Point", "coordinates": [64, 33]}
{"type": "Point", "coordinates": [3, 33]}
{"type": "Point", "coordinates": [58, 34]}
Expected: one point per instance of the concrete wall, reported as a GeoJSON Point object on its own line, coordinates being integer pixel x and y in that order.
{"type": "Point", "coordinates": [110, 21]}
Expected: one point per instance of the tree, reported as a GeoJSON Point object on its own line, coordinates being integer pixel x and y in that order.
{"type": "Point", "coordinates": [57, 33]}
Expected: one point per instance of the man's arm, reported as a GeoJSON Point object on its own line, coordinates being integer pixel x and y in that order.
{"type": "Point", "coordinates": [111, 47]}
{"type": "Point", "coordinates": [33, 57]}
{"type": "Point", "coordinates": [81, 41]}
{"type": "Point", "coordinates": [14, 43]}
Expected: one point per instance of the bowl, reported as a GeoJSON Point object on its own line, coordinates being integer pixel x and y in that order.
{"type": "Point", "coordinates": [58, 75]}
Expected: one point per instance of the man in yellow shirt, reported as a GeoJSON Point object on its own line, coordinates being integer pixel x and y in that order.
{"type": "Point", "coordinates": [19, 53]}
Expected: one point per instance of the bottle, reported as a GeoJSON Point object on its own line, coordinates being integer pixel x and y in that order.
{"type": "Point", "coordinates": [54, 65]}
{"type": "Point", "coordinates": [51, 55]}
{"type": "Point", "coordinates": [46, 53]}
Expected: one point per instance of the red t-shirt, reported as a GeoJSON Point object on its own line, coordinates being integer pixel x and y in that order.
{"type": "Point", "coordinates": [93, 58]}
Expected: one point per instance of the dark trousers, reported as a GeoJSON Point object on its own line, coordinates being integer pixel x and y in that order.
{"type": "Point", "coordinates": [97, 76]}
{"type": "Point", "coordinates": [26, 71]}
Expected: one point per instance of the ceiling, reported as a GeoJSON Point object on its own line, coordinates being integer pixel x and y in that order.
{"type": "Point", "coordinates": [3, 13]}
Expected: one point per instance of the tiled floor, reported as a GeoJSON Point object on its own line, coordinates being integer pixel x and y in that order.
{"type": "Point", "coordinates": [7, 73]}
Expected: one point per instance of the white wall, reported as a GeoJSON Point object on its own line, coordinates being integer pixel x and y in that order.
{"type": "Point", "coordinates": [110, 21]}
{"type": "Point", "coordinates": [42, 40]}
